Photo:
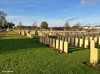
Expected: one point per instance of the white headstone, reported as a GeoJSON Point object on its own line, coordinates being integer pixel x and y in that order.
{"type": "Point", "coordinates": [65, 46]}
{"type": "Point", "coordinates": [57, 44]}
{"type": "Point", "coordinates": [54, 43]}
{"type": "Point", "coordinates": [86, 43]}
{"type": "Point", "coordinates": [92, 44]}
{"type": "Point", "coordinates": [76, 41]}
{"type": "Point", "coordinates": [81, 43]}
{"type": "Point", "coordinates": [61, 45]}
{"type": "Point", "coordinates": [94, 56]}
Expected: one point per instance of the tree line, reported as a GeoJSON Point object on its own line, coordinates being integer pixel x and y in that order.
{"type": "Point", "coordinates": [44, 26]}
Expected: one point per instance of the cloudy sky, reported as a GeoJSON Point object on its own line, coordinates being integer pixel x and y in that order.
{"type": "Point", "coordinates": [55, 12]}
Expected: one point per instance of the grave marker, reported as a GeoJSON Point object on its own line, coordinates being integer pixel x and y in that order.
{"type": "Point", "coordinates": [81, 43]}
{"type": "Point", "coordinates": [61, 45]}
{"type": "Point", "coordinates": [65, 46]}
{"type": "Point", "coordinates": [94, 56]}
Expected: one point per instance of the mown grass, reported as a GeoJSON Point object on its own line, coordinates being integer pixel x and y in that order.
{"type": "Point", "coordinates": [10, 35]}
{"type": "Point", "coordinates": [26, 56]}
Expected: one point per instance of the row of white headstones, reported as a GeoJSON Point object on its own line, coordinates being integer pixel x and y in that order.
{"type": "Point", "coordinates": [26, 33]}
{"type": "Point", "coordinates": [62, 42]}
{"type": "Point", "coordinates": [62, 45]}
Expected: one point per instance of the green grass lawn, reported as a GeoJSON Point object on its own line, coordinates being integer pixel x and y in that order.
{"type": "Point", "coordinates": [26, 56]}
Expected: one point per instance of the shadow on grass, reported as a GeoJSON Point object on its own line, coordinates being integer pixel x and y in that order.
{"type": "Point", "coordinates": [12, 45]}
{"type": "Point", "coordinates": [98, 46]}
{"type": "Point", "coordinates": [94, 66]}
{"type": "Point", "coordinates": [73, 49]}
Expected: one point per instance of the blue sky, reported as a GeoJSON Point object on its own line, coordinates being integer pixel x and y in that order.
{"type": "Point", "coordinates": [55, 12]}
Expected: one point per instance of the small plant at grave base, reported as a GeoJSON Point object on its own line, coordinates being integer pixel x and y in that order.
{"type": "Point", "coordinates": [55, 37]}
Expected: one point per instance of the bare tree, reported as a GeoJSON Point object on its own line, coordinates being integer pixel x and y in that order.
{"type": "Point", "coordinates": [66, 26]}
{"type": "Point", "coordinates": [35, 25]}
{"type": "Point", "coordinates": [77, 26]}
{"type": "Point", "coordinates": [2, 18]}
{"type": "Point", "coordinates": [44, 25]}
{"type": "Point", "coordinates": [20, 26]}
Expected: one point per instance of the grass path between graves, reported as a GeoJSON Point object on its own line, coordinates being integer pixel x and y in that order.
{"type": "Point", "coordinates": [27, 56]}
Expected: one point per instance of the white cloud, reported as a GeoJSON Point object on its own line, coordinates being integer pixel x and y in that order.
{"type": "Point", "coordinates": [89, 2]}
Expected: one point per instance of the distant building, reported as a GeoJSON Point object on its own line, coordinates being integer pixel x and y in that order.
{"type": "Point", "coordinates": [86, 27]}
{"type": "Point", "coordinates": [97, 27]}
{"type": "Point", "coordinates": [92, 27]}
